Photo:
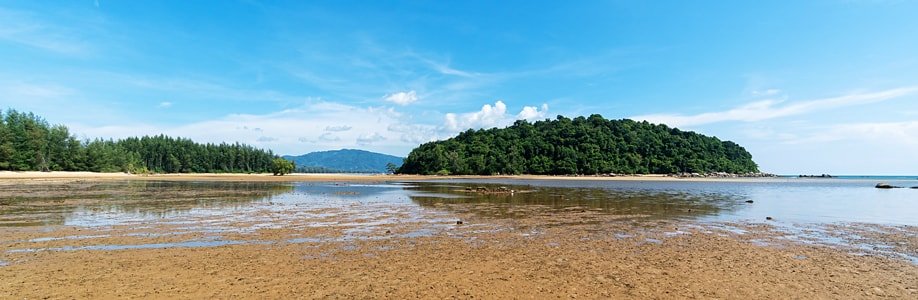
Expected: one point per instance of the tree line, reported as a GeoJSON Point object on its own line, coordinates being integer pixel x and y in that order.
{"type": "Point", "coordinates": [583, 145]}
{"type": "Point", "coordinates": [29, 143]}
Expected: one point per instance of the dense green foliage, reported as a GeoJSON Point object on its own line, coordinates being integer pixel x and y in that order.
{"type": "Point", "coordinates": [29, 143]}
{"type": "Point", "coordinates": [346, 161]}
{"type": "Point", "coordinates": [587, 146]}
{"type": "Point", "coordinates": [282, 166]}
{"type": "Point", "coordinates": [391, 168]}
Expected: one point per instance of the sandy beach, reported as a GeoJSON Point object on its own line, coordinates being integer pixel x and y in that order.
{"type": "Point", "coordinates": [90, 235]}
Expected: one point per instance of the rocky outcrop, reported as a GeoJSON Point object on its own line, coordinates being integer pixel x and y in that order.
{"type": "Point", "coordinates": [817, 176]}
{"type": "Point", "coordinates": [724, 175]}
{"type": "Point", "coordinates": [883, 185]}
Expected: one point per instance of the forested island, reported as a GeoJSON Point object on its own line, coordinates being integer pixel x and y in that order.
{"type": "Point", "coordinates": [583, 145]}
{"type": "Point", "coordinates": [29, 143]}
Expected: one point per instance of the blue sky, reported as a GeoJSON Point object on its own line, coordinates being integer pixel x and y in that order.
{"type": "Point", "coordinates": [806, 86]}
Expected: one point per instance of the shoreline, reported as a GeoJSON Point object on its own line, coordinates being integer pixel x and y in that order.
{"type": "Point", "coordinates": [313, 177]}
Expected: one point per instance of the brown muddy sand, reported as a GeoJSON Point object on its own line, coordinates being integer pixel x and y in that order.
{"type": "Point", "coordinates": [602, 257]}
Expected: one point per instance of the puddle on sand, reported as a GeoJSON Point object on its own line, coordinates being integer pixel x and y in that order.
{"type": "Point", "coordinates": [71, 237]}
{"type": "Point", "coordinates": [653, 241]}
{"type": "Point", "coordinates": [186, 244]}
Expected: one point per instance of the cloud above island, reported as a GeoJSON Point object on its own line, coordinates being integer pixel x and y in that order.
{"type": "Point", "coordinates": [325, 125]}
{"type": "Point", "coordinates": [491, 116]}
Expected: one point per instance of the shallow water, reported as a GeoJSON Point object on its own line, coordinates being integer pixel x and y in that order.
{"type": "Point", "coordinates": [785, 200]}
{"type": "Point", "coordinates": [799, 207]}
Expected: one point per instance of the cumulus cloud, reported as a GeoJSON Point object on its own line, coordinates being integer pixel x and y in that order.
{"type": "Point", "coordinates": [318, 125]}
{"type": "Point", "coordinates": [290, 130]}
{"type": "Point", "coordinates": [491, 116]}
{"type": "Point", "coordinates": [488, 116]}
{"type": "Point", "coordinates": [402, 98]}
{"type": "Point", "coordinates": [338, 128]}
{"type": "Point", "coordinates": [770, 109]}
{"type": "Point", "coordinates": [532, 113]}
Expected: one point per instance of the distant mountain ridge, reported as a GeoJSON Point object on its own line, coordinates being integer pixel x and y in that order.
{"type": "Point", "coordinates": [345, 160]}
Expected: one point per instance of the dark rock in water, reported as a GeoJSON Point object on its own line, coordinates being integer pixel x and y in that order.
{"type": "Point", "coordinates": [883, 185]}
{"type": "Point", "coordinates": [459, 222]}
{"type": "Point", "coordinates": [915, 187]}
{"type": "Point", "coordinates": [388, 231]}
{"type": "Point", "coordinates": [749, 201]}
{"type": "Point", "coordinates": [769, 218]}
{"type": "Point", "coordinates": [816, 176]}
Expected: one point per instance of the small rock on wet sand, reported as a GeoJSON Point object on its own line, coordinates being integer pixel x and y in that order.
{"type": "Point", "coordinates": [749, 201]}
{"type": "Point", "coordinates": [769, 218]}
{"type": "Point", "coordinates": [883, 185]}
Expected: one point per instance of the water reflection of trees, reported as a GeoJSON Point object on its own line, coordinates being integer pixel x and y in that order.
{"type": "Point", "coordinates": [51, 204]}
{"type": "Point", "coordinates": [654, 204]}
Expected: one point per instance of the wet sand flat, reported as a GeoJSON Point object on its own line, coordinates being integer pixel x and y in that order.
{"type": "Point", "coordinates": [563, 262]}
{"type": "Point", "coordinates": [332, 240]}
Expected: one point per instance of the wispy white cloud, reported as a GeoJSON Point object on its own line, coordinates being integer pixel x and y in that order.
{"type": "Point", "coordinates": [29, 30]}
{"type": "Point", "coordinates": [28, 91]}
{"type": "Point", "coordinates": [198, 88]}
{"type": "Point", "coordinates": [766, 92]}
{"type": "Point", "coordinates": [402, 98]}
{"type": "Point", "coordinates": [902, 134]}
{"type": "Point", "coordinates": [287, 131]}
{"type": "Point", "coordinates": [443, 67]}
{"type": "Point", "coordinates": [317, 125]}
{"type": "Point", "coordinates": [770, 109]}
{"type": "Point", "coordinates": [367, 139]}
{"type": "Point", "coordinates": [338, 128]}
{"type": "Point", "coordinates": [165, 104]}
{"type": "Point", "coordinates": [844, 148]}
{"type": "Point", "coordinates": [329, 137]}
